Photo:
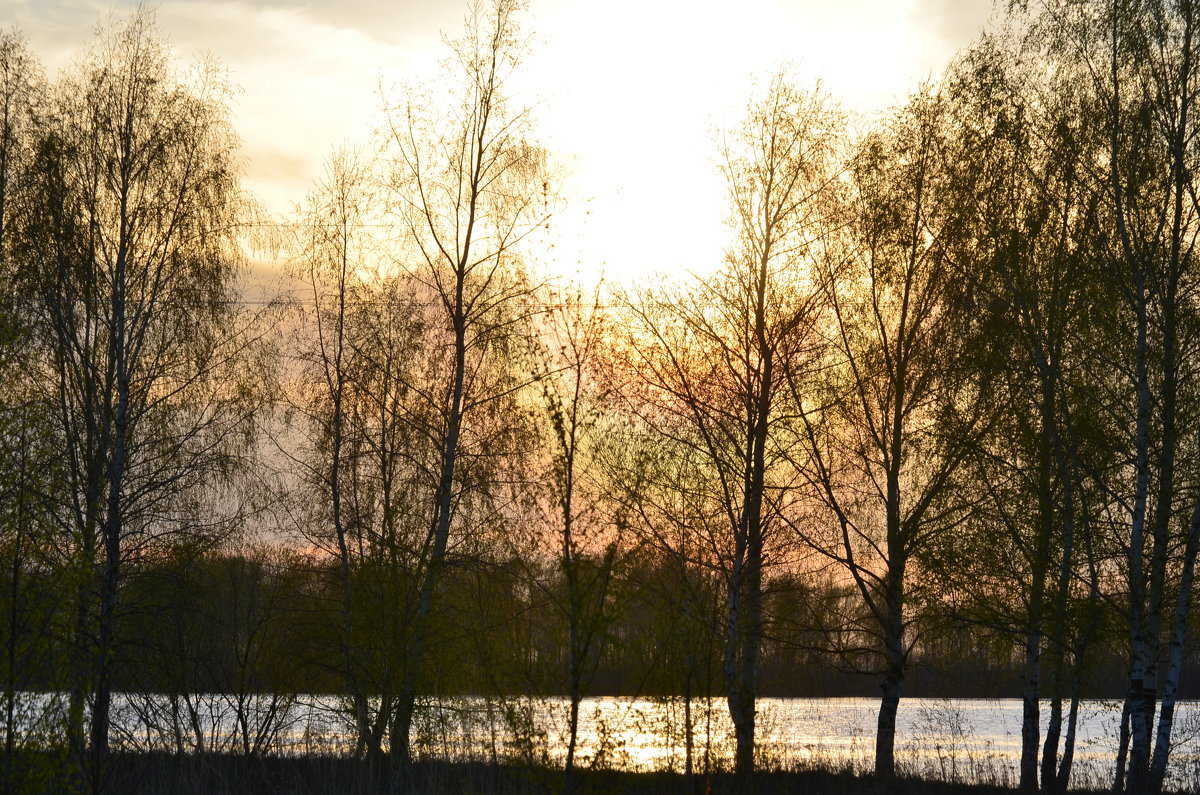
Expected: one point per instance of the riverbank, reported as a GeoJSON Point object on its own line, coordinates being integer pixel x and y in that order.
{"type": "Point", "coordinates": [210, 774]}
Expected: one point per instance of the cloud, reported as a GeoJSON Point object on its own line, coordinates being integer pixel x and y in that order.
{"type": "Point", "coordinates": [399, 21]}
{"type": "Point", "coordinates": [308, 78]}
{"type": "Point", "coordinates": [631, 90]}
{"type": "Point", "coordinates": [955, 22]}
{"type": "Point", "coordinates": [392, 22]}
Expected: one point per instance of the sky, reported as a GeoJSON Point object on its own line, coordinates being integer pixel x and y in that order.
{"type": "Point", "coordinates": [629, 95]}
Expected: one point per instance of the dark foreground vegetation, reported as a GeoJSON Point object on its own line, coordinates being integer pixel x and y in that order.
{"type": "Point", "coordinates": [209, 774]}
{"type": "Point", "coordinates": [932, 418]}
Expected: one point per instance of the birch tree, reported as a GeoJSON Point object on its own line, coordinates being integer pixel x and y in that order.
{"type": "Point", "coordinates": [27, 443]}
{"type": "Point", "coordinates": [468, 186]}
{"type": "Point", "coordinates": [334, 257]}
{"type": "Point", "coordinates": [888, 434]}
{"type": "Point", "coordinates": [571, 374]}
{"type": "Point", "coordinates": [711, 362]}
{"type": "Point", "coordinates": [1138, 61]}
{"type": "Point", "coordinates": [1026, 253]}
{"type": "Point", "coordinates": [132, 244]}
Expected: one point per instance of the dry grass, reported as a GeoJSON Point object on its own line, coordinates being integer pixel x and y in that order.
{"type": "Point", "coordinates": [211, 774]}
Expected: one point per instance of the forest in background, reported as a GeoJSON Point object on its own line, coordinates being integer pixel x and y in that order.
{"type": "Point", "coordinates": [932, 419]}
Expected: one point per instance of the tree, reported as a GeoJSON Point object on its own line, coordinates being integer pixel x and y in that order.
{"type": "Point", "coordinates": [131, 258]}
{"type": "Point", "coordinates": [1025, 252]}
{"type": "Point", "coordinates": [334, 257]}
{"type": "Point", "coordinates": [712, 362]}
{"type": "Point", "coordinates": [468, 189]}
{"type": "Point", "coordinates": [574, 399]}
{"type": "Point", "coordinates": [886, 438]}
{"type": "Point", "coordinates": [1136, 61]}
{"type": "Point", "coordinates": [26, 442]}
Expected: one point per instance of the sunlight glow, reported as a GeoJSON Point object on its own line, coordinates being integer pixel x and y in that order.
{"type": "Point", "coordinates": [629, 95]}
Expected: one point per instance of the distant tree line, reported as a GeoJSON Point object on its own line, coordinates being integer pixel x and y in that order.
{"type": "Point", "coordinates": [934, 412]}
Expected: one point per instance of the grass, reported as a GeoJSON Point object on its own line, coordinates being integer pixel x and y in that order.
{"type": "Point", "coordinates": [212, 774]}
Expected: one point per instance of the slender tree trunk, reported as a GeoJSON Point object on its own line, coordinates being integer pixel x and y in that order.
{"type": "Point", "coordinates": [335, 378]}
{"type": "Point", "coordinates": [1031, 678]}
{"type": "Point", "coordinates": [748, 675]}
{"type": "Point", "coordinates": [573, 733]}
{"type": "Point", "coordinates": [104, 651]}
{"type": "Point", "coordinates": [574, 671]}
{"type": "Point", "coordinates": [1063, 780]}
{"type": "Point", "coordinates": [741, 707]}
{"type": "Point", "coordinates": [745, 599]}
{"type": "Point", "coordinates": [1122, 766]}
{"type": "Point", "coordinates": [1141, 662]}
{"type": "Point", "coordinates": [744, 626]}
{"type": "Point", "coordinates": [113, 528]}
{"type": "Point", "coordinates": [10, 684]}
{"type": "Point", "coordinates": [401, 733]}
{"type": "Point", "coordinates": [894, 657]}
{"type": "Point", "coordinates": [1181, 184]}
{"type": "Point", "coordinates": [1052, 430]}
{"type": "Point", "coordinates": [103, 686]}
{"type": "Point", "coordinates": [741, 658]}
{"type": "Point", "coordinates": [688, 735]}
{"type": "Point", "coordinates": [1179, 624]}
{"type": "Point", "coordinates": [10, 680]}
{"type": "Point", "coordinates": [80, 674]}
{"type": "Point", "coordinates": [1081, 651]}
{"type": "Point", "coordinates": [82, 662]}
{"type": "Point", "coordinates": [894, 664]}
{"type": "Point", "coordinates": [1089, 634]}
{"type": "Point", "coordinates": [1053, 732]}
{"type": "Point", "coordinates": [401, 750]}
{"type": "Point", "coordinates": [1142, 698]}
{"type": "Point", "coordinates": [574, 652]}
{"type": "Point", "coordinates": [1030, 703]}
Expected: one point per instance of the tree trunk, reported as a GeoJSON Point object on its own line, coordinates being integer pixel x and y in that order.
{"type": "Point", "coordinates": [113, 527]}
{"type": "Point", "coordinates": [745, 614]}
{"type": "Point", "coordinates": [335, 378]}
{"type": "Point", "coordinates": [1064, 768]}
{"type": "Point", "coordinates": [441, 538]}
{"type": "Point", "coordinates": [1122, 765]}
{"type": "Point", "coordinates": [745, 625]}
{"type": "Point", "coordinates": [573, 719]}
{"type": "Point", "coordinates": [401, 739]}
{"type": "Point", "coordinates": [1030, 708]}
{"type": "Point", "coordinates": [10, 680]}
{"type": "Point", "coordinates": [1142, 697]}
{"type": "Point", "coordinates": [688, 737]}
{"type": "Point", "coordinates": [1181, 134]}
{"type": "Point", "coordinates": [893, 678]}
{"type": "Point", "coordinates": [80, 676]}
{"type": "Point", "coordinates": [1053, 733]}
{"type": "Point", "coordinates": [1162, 745]}
{"type": "Point", "coordinates": [738, 673]}
{"type": "Point", "coordinates": [1140, 663]}
{"type": "Point", "coordinates": [1031, 692]}
{"type": "Point", "coordinates": [574, 651]}
{"type": "Point", "coordinates": [103, 685]}
{"type": "Point", "coordinates": [748, 685]}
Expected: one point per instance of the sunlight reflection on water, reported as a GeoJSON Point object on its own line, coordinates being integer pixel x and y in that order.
{"type": "Point", "coordinates": [966, 740]}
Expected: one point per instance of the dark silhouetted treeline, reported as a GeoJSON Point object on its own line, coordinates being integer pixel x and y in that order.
{"type": "Point", "coordinates": [228, 623]}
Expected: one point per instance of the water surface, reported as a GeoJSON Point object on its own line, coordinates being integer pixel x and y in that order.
{"type": "Point", "coordinates": [967, 740]}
